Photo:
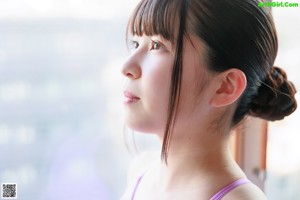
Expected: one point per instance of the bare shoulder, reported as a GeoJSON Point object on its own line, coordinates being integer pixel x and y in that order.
{"type": "Point", "coordinates": [246, 192]}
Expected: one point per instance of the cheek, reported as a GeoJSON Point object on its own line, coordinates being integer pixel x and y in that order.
{"type": "Point", "coordinates": [157, 78]}
{"type": "Point", "coordinates": [156, 86]}
{"type": "Point", "coordinates": [189, 78]}
{"type": "Point", "coordinates": [193, 83]}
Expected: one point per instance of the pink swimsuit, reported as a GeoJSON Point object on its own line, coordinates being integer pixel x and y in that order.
{"type": "Point", "coordinates": [218, 196]}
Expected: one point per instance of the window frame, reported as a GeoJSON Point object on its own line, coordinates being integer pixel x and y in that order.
{"type": "Point", "coordinates": [249, 145]}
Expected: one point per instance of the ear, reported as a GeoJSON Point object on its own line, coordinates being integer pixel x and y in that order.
{"type": "Point", "coordinates": [230, 86]}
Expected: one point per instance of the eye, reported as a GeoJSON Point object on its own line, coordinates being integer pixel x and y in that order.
{"type": "Point", "coordinates": [133, 44]}
{"type": "Point", "coordinates": [155, 45]}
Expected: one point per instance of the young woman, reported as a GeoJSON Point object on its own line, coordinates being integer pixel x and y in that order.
{"type": "Point", "coordinates": [196, 69]}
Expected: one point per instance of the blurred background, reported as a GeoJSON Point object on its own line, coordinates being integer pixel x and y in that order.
{"type": "Point", "coordinates": [61, 129]}
{"type": "Point", "coordinates": [283, 156]}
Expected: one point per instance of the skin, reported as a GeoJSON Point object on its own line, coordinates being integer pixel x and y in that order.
{"type": "Point", "coordinates": [199, 162]}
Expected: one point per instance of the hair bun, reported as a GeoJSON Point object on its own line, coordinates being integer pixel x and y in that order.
{"type": "Point", "coordinates": [275, 98]}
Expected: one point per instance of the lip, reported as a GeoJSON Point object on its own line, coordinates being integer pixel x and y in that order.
{"type": "Point", "coordinates": [129, 97]}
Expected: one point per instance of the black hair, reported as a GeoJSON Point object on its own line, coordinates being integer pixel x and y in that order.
{"type": "Point", "coordinates": [237, 34]}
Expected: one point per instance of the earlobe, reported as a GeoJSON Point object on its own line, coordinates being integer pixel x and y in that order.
{"type": "Point", "coordinates": [231, 85]}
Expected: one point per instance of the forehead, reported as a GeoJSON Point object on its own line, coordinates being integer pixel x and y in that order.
{"type": "Point", "coordinates": [155, 17]}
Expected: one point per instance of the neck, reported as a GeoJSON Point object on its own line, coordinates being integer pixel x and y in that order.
{"type": "Point", "coordinates": [204, 158]}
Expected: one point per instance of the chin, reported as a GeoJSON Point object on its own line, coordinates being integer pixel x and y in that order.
{"type": "Point", "coordinates": [146, 128]}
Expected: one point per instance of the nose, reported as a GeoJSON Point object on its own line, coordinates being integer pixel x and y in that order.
{"type": "Point", "coordinates": [131, 68]}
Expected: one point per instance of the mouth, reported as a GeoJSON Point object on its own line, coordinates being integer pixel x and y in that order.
{"type": "Point", "coordinates": [130, 98]}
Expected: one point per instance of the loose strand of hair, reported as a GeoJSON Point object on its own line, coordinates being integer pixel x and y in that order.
{"type": "Point", "coordinates": [175, 84]}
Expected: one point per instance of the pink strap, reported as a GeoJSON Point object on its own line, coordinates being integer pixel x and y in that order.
{"type": "Point", "coordinates": [218, 196]}
{"type": "Point", "coordinates": [136, 186]}
{"type": "Point", "coordinates": [225, 190]}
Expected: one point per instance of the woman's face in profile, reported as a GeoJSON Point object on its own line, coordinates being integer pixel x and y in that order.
{"type": "Point", "coordinates": [148, 71]}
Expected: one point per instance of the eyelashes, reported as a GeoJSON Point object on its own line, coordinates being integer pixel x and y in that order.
{"type": "Point", "coordinates": [133, 44]}
{"type": "Point", "coordinates": [154, 45]}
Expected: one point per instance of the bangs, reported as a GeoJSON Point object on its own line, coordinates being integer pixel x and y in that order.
{"type": "Point", "coordinates": [167, 19]}
{"type": "Point", "coordinates": [155, 17]}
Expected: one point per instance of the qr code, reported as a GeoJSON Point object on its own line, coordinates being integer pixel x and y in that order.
{"type": "Point", "coordinates": [9, 191]}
